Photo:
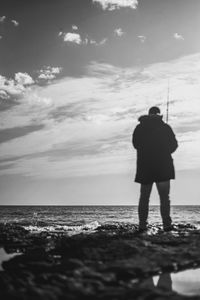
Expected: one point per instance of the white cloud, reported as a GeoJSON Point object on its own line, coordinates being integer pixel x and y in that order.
{"type": "Point", "coordinates": [23, 79]}
{"type": "Point", "coordinates": [1, 37]}
{"type": "Point", "coordinates": [117, 4]}
{"type": "Point", "coordinates": [74, 27]}
{"type": "Point", "coordinates": [56, 70]}
{"type": "Point", "coordinates": [15, 23]}
{"type": "Point", "coordinates": [77, 39]}
{"type": "Point", "coordinates": [100, 43]}
{"type": "Point", "coordinates": [2, 19]}
{"type": "Point", "coordinates": [49, 73]}
{"type": "Point", "coordinates": [16, 87]}
{"type": "Point", "coordinates": [72, 38]}
{"type": "Point", "coordinates": [142, 38]}
{"type": "Point", "coordinates": [93, 42]}
{"type": "Point", "coordinates": [3, 94]}
{"type": "Point", "coordinates": [103, 41]}
{"type": "Point", "coordinates": [46, 76]}
{"type": "Point", "coordinates": [119, 32]}
{"type": "Point", "coordinates": [178, 36]}
{"type": "Point", "coordinates": [89, 120]}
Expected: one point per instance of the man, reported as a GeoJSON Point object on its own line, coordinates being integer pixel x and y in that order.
{"type": "Point", "coordinates": [154, 141]}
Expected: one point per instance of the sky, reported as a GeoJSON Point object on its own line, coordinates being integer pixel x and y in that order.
{"type": "Point", "coordinates": [75, 75]}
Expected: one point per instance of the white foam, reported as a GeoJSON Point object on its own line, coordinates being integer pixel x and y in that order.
{"type": "Point", "coordinates": [74, 229]}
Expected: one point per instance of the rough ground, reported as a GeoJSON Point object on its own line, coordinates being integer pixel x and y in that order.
{"type": "Point", "coordinates": [110, 263]}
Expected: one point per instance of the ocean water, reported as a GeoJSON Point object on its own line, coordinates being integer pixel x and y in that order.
{"type": "Point", "coordinates": [76, 219]}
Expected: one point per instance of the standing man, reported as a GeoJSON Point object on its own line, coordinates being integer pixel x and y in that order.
{"type": "Point", "coordinates": [154, 141]}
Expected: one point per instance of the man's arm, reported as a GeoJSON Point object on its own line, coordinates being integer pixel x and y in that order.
{"type": "Point", "coordinates": [173, 144]}
{"type": "Point", "coordinates": [135, 138]}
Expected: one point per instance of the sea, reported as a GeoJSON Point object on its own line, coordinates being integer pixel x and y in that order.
{"type": "Point", "coordinates": [83, 219]}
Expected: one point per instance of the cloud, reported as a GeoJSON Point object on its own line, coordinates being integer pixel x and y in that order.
{"type": "Point", "coordinates": [103, 41]}
{"type": "Point", "coordinates": [13, 133]}
{"type": "Point", "coordinates": [15, 23]}
{"type": "Point", "coordinates": [3, 95]}
{"type": "Point", "coordinates": [1, 37]}
{"type": "Point", "coordinates": [93, 42]}
{"type": "Point", "coordinates": [142, 38]}
{"type": "Point", "coordinates": [100, 43]}
{"type": "Point", "coordinates": [49, 73]}
{"type": "Point", "coordinates": [10, 88]}
{"type": "Point", "coordinates": [23, 79]}
{"type": "Point", "coordinates": [74, 27]}
{"type": "Point", "coordinates": [88, 129]}
{"type": "Point", "coordinates": [178, 36]}
{"type": "Point", "coordinates": [119, 32]}
{"type": "Point", "coordinates": [76, 38]}
{"type": "Point", "coordinates": [2, 19]}
{"type": "Point", "coordinates": [72, 38]}
{"type": "Point", "coordinates": [117, 4]}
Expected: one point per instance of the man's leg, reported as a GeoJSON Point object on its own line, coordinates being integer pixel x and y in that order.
{"type": "Point", "coordinates": [143, 208]}
{"type": "Point", "coordinates": [163, 190]}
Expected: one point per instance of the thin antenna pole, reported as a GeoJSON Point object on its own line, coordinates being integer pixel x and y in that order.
{"type": "Point", "coordinates": [167, 113]}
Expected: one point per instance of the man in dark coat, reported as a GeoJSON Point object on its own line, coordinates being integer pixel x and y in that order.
{"type": "Point", "coordinates": [154, 141]}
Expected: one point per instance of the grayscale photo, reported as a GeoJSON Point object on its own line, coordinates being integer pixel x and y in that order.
{"type": "Point", "coordinates": [99, 149]}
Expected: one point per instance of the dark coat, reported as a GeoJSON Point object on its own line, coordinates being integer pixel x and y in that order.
{"type": "Point", "coordinates": [154, 141]}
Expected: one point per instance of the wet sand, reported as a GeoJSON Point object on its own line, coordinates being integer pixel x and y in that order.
{"type": "Point", "coordinates": [113, 262]}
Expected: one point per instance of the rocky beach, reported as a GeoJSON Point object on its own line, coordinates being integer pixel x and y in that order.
{"type": "Point", "coordinates": [111, 262]}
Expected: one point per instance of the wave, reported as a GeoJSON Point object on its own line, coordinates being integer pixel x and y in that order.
{"type": "Point", "coordinates": [71, 229]}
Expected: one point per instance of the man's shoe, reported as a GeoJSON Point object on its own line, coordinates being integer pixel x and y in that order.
{"type": "Point", "coordinates": [142, 230]}
{"type": "Point", "coordinates": [168, 228]}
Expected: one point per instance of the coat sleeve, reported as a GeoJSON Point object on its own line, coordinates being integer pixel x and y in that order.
{"type": "Point", "coordinates": [173, 144]}
{"type": "Point", "coordinates": [136, 138]}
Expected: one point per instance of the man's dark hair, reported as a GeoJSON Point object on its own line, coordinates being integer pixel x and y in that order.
{"type": "Point", "coordinates": [154, 110]}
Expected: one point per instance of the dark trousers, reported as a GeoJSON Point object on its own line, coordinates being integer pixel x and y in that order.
{"type": "Point", "coordinates": [143, 208]}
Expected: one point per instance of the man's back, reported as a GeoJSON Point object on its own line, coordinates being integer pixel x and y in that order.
{"type": "Point", "coordinates": [154, 141]}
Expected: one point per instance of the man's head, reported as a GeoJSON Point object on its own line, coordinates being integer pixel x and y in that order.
{"type": "Point", "coordinates": [154, 110]}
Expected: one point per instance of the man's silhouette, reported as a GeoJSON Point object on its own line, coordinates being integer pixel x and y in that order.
{"type": "Point", "coordinates": [154, 141]}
